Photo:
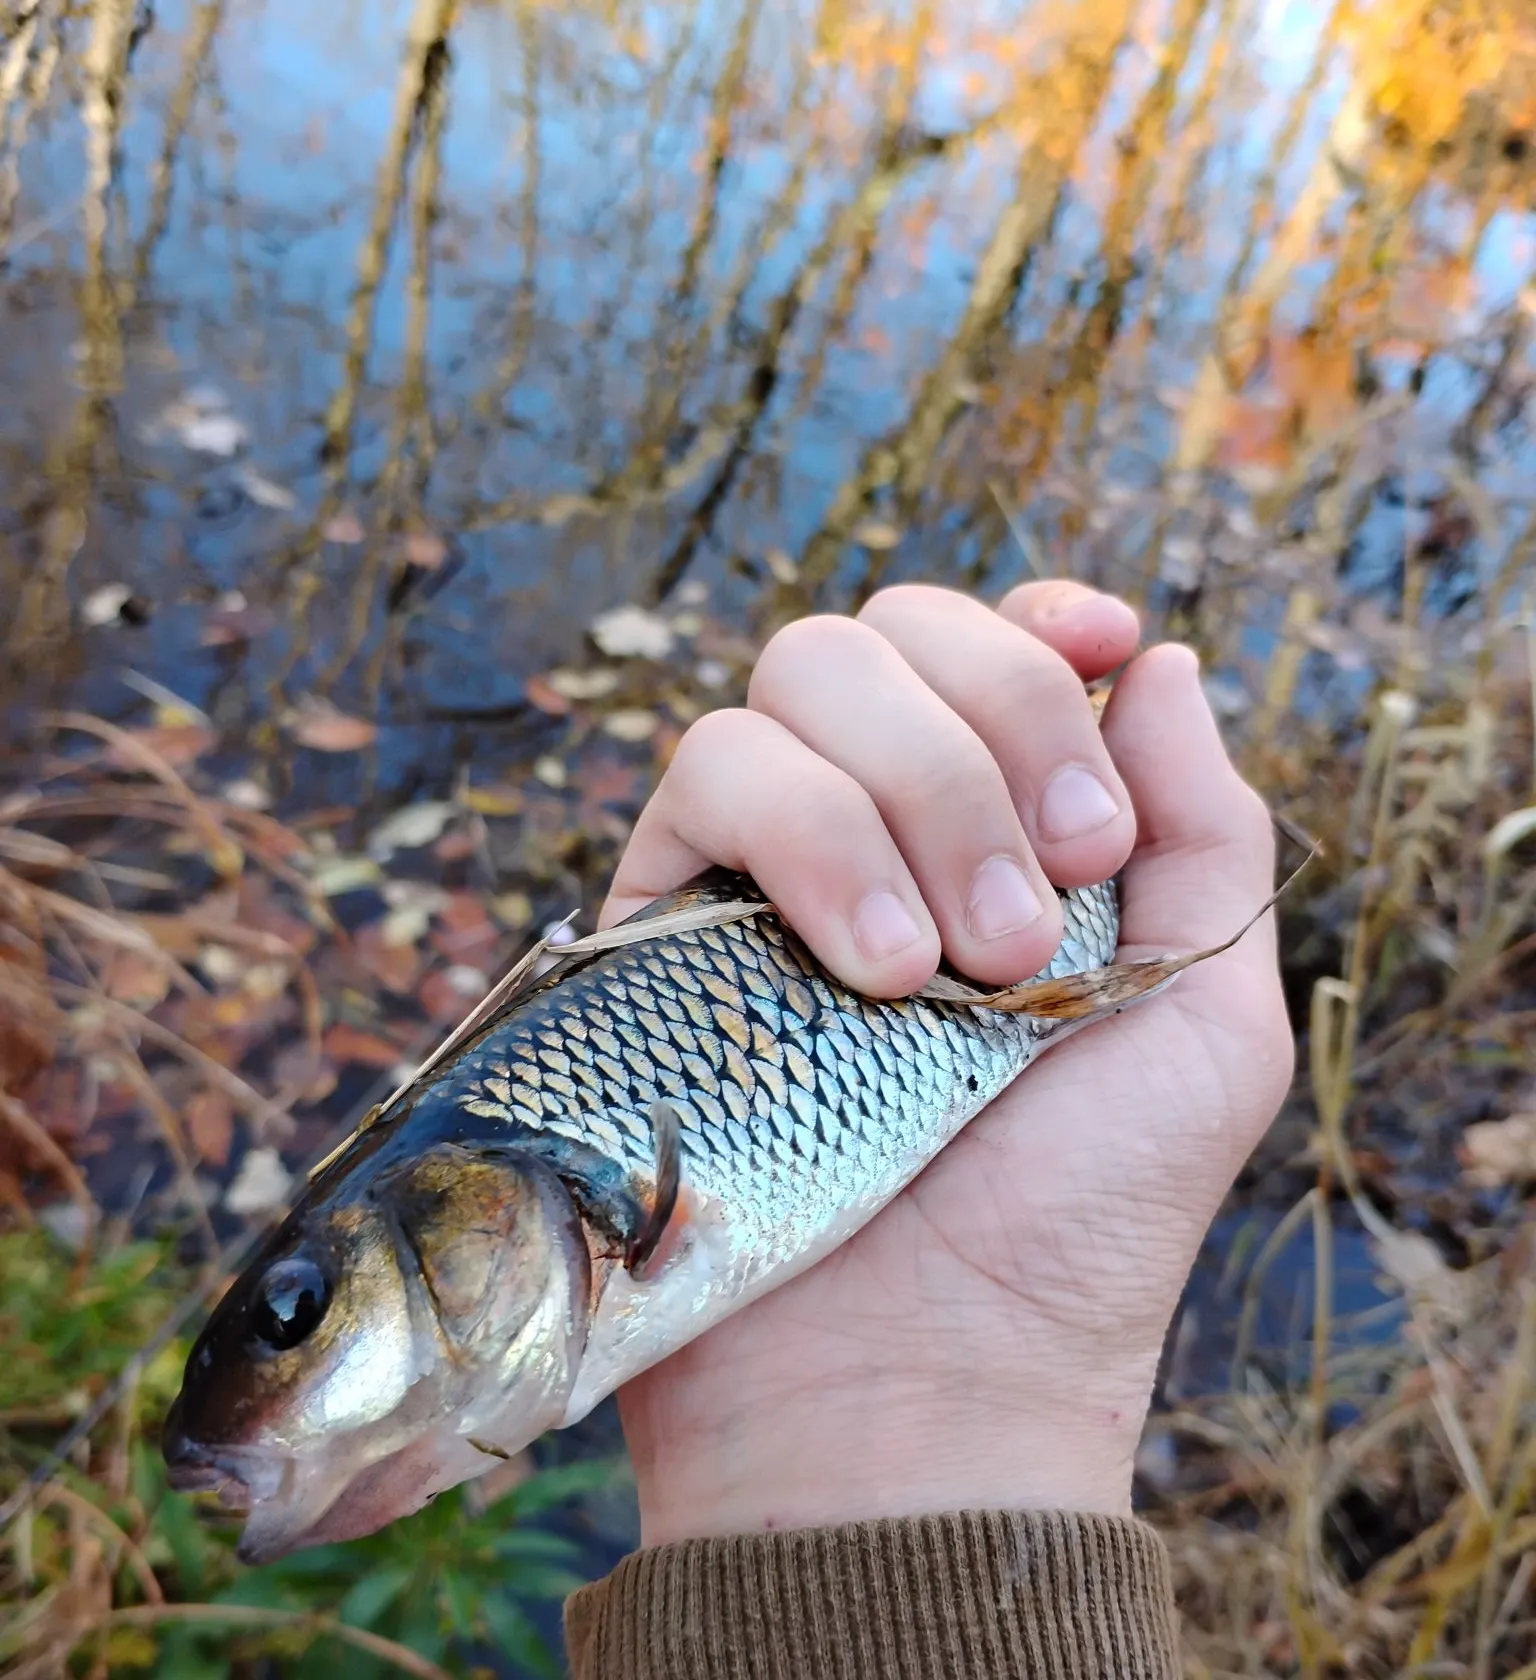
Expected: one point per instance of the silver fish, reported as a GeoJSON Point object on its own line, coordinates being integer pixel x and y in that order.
{"type": "Point", "coordinates": [637, 1146]}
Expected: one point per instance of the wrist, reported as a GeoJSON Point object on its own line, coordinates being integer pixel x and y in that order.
{"type": "Point", "coordinates": [838, 1459]}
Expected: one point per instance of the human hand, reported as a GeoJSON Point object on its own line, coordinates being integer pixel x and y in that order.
{"type": "Point", "coordinates": [915, 780]}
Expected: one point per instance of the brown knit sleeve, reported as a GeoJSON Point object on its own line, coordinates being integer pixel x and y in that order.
{"type": "Point", "coordinates": [978, 1595]}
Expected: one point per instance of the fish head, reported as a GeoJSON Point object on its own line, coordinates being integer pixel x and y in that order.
{"type": "Point", "coordinates": [406, 1325]}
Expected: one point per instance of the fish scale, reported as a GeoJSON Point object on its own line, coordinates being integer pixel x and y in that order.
{"type": "Point", "coordinates": [793, 1093]}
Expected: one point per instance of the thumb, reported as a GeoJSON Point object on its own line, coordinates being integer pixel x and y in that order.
{"type": "Point", "coordinates": [1205, 848]}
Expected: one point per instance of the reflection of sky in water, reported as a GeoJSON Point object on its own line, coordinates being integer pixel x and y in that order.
{"type": "Point", "coordinates": [252, 286]}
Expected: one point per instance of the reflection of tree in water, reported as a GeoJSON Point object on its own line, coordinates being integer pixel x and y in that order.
{"type": "Point", "coordinates": [819, 285]}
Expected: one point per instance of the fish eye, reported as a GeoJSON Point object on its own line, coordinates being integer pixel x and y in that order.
{"type": "Point", "coordinates": [290, 1301]}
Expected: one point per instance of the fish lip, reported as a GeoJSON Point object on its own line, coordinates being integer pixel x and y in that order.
{"type": "Point", "coordinates": [191, 1467]}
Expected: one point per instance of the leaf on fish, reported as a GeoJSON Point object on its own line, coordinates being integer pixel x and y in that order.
{"type": "Point", "coordinates": [1096, 991]}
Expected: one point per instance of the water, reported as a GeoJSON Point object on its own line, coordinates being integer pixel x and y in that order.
{"type": "Point", "coordinates": [610, 300]}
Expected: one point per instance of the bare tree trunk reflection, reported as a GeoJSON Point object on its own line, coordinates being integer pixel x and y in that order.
{"type": "Point", "coordinates": [43, 609]}
{"type": "Point", "coordinates": [162, 175]}
{"type": "Point", "coordinates": [901, 461]}
{"type": "Point", "coordinates": [426, 42]}
{"type": "Point", "coordinates": [26, 74]}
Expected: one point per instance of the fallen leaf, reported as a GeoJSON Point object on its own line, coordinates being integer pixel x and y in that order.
{"type": "Point", "coordinates": [409, 827]}
{"type": "Point", "coordinates": [30, 1020]}
{"type": "Point", "coordinates": [425, 549]}
{"type": "Point", "coordinates": [261, 1185]}
{"type": "Point", "coordinates": [448, 994]}
{"type": "Point", "coordinates": [105, 605]}
{"type": "Point", "coordinates": [513, 909]}
{"type": "Point", "coordinates": [546, 698]}
{"type": "Point", "coordinates": [134, 979]}
{"type": "Point", "coordinates": [211, 1126]}
{"type": "Point", "coordinates": [334, 876]}
{"type": "Point", "coordinates": [265, 492]}
{"type": "Point", "coordinates": [501, 800]}
{"type": "Point", "coordinates": [345, 1043]}
{"type": "Point", "coordinates": [404, 926]}
{"type": "Point", "coordinates": [1414, 1262]}
{"type": "Point", "coordinates": [631, 724]}
{"type": "Point", "coordinates": [394, 967]}
{"type": "Point", "coordinates": [218, 434]}
{"type": "Point", "coordinates": [403, 892]}
{"type": "Point", "coordinates": [454, 848]}
{"type": "Point", "coordinates": [594, 683]}
{"type": "Point", "coordinates": [344, 527]}
{"type": "Point", "coordinates": [222, 965]}
{"type": "Point", "coordinates": [465, 932]}
{"type": "Point", "coordinates": [317, 723]}
{"type": "Point", "coordinates": [1499, 1152]}
{"type": "Point", "coordinates": [230, 626]}
{"type": "Point", "coordinates": [303, 1074]}
{"type": "Point", "coordinates": [876, 534]}
{"type": "Point", "coordinates": [632, 632]}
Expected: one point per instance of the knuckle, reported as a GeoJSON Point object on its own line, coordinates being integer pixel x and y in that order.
{"type": "Point", "coordinates": [807, 643]}
{"type": "Point", "coordinates": [728, 731]}
{"type": "Point", "coordinates": [906, 601]}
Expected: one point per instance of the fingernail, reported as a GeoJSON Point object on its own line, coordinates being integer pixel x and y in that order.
{"type": "Point", "coordinates": [882, 926]}
{"type": "Point", "coordinates": [1002, 900]}
{"type": "Point", "coordinates": [1075, 802]}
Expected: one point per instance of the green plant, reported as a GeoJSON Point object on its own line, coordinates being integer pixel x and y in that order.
{"type": "Point", "coordinates": [109, 1571]}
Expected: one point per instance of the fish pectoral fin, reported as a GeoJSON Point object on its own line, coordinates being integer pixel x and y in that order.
{"type": "Point", "coordinates": [666, 1140]}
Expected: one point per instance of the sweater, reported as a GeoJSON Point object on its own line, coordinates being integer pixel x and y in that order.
{"type": "Point", "coordinates": [976, 1595]}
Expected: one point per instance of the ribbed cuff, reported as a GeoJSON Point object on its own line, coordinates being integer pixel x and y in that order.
{"type": "Point", "coordinates": [978, 1595]}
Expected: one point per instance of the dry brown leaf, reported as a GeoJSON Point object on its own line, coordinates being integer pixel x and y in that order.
{"type": "Point", "coordinates": [30, 1022]}
{"type": "Point", "coordinates": [346, 1043]}
{"type": "Point", "coordinates": [134, 979]}
{"type": "Point", "coordinates": [1499, 1152]}
{"type": "Point", "coordinates": [547, 698]}
{"type": "Point", "coordinates": [445, 998]}
{"type": "Point", "coordinates": [394, 967]}
{"type": "Point", "coordinates": [1096, 991]}
{"type": "Point", "coordinates": [211, 1126]}
{"type": "Point", "coordinates": [465, 932]}
{"type": "Point", "coordinates": [319, 724]}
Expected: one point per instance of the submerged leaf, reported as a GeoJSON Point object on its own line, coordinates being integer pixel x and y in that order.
{"type": "Point", "coordinates": [261, 1185]}
{"type": "Point", "coordinates": [318, 724]}
{"type": "Point", "coordinates": [632, 632]}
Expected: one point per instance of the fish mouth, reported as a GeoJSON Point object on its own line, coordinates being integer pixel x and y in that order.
{"type": "Point", "coordinates": [290, 1501]}
{"type": "Point", "coordinates": [193, 1468]}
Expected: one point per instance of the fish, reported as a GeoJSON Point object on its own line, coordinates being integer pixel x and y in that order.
{"type": "Point", "coordinates": [636, 1145]}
